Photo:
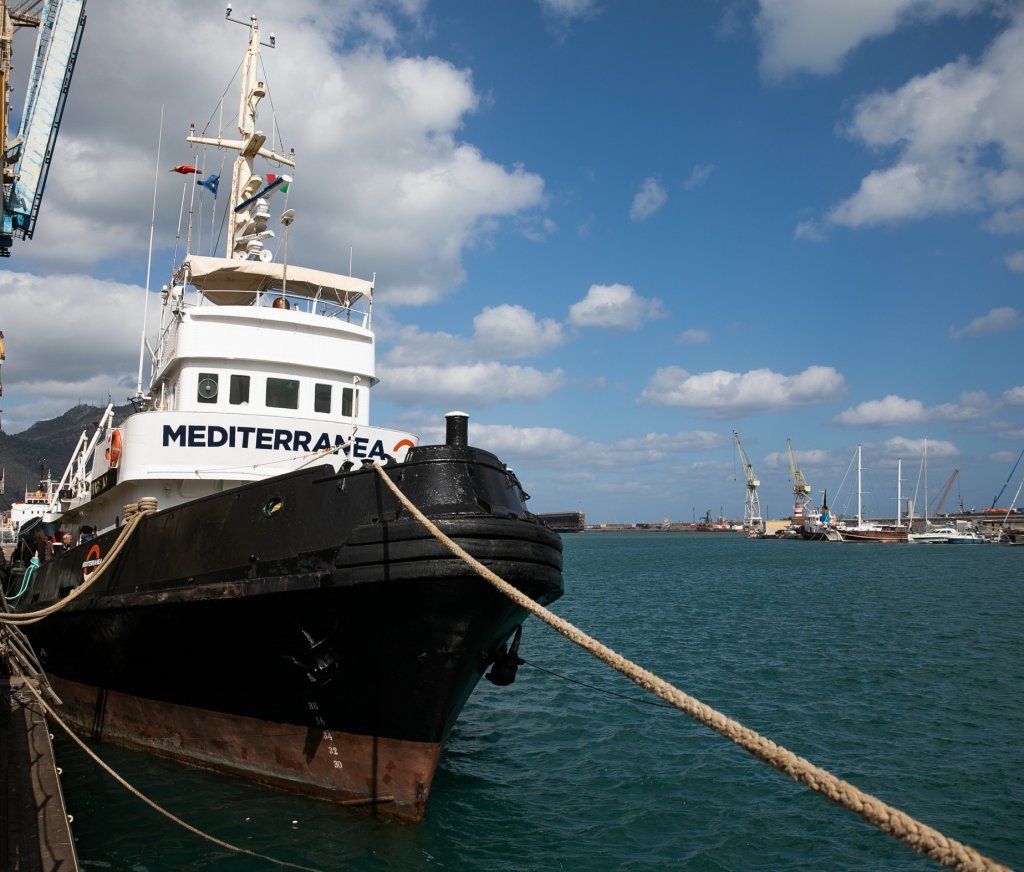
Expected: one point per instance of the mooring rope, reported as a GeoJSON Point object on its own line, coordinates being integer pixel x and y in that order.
{"type": "Point", "coordinates": [133, 515]}
{"type": "Point", "coordinates": [922, 838]}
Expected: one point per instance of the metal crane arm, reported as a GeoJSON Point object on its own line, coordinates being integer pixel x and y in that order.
{"type": "Point", "coordinates": [60, 34]}
{"type": "Point", "coordinates": [946, 490]}
{"type": "Point", "coordinates": [800, 485]}
{"type": "Point", "coordinates": [747, 468]}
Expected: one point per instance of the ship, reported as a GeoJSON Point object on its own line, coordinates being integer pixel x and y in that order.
{"type": "Point", "coordinates": [243, 591]}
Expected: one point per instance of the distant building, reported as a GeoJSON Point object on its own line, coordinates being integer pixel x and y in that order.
{"type": "Point", "coordinates": [564, 522]}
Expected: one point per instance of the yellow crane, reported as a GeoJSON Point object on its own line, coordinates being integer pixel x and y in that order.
{"type": "Point", "coordinates": [801, 489]}
{"type": "Point", "coordinates": [752, 520]}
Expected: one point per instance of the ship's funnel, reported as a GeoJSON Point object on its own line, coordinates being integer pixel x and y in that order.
{"type": "Point", "coordinates": [457, 429]}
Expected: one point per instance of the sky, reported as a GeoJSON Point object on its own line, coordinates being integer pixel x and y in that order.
{"type": "Point", "coordinates": [611, 232]}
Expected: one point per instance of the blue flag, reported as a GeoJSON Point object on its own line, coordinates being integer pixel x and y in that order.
{"type": "Point", "coordinates": [210, 183]}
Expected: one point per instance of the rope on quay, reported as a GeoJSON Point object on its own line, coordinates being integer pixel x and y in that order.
{"type": "Point", "coordinates": [9, 638]}
{"type": "Point", "coordinates": [133, 515]}
{"type": "Point", "coordinates": [922, 838]}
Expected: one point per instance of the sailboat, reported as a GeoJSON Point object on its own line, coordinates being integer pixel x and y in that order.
{"type": "Point", "coordinates": [866, 531]}
{"type": "Point", "coordinates": [256, 598]}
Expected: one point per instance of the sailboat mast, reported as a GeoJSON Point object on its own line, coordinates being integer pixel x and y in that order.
{"type": "Point", "coordinates": [926, 483]}
{"type": "Point", "coordinates": [899, 490]}
{"type": "Point", "coordinates": [860, 517]}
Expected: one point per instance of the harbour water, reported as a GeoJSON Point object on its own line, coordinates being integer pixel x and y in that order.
{"type": "Point", "coordinates": [897, 668]}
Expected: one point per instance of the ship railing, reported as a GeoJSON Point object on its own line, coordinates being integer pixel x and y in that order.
{"type": "Point", "coordinates": [75, 479]}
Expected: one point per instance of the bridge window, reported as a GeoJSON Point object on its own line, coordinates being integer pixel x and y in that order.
{"type": "Point", "coordinates": [322, 398]}
{"type": "Point", "coordinates": [349, 402]}
{"type": "Point", "coordinates": [207, 388]}
{"type": "Point", "coordinates": [282, 393]}
{"type": "Point", "coordinates": [239, 391]}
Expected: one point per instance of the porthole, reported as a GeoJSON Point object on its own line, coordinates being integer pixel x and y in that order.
{"type": "Point", "coordinates": [273, 506]}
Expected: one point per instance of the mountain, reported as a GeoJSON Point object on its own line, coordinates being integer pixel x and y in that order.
{"type": "Point", "coordinates": [45, 446]}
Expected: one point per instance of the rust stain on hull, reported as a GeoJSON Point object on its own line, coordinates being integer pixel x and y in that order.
{"type": "Point", "coordinates": [391, 776]}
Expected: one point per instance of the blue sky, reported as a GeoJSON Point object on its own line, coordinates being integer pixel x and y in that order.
{"type": "Point", "coordinates": [611, 232]}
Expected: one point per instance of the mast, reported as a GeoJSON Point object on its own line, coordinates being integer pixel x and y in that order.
{"type": "Point", "coordinates": [899, 490]}
{"type": "Point", "coordinates": [860, 517]}
{"type": "Point", "coordinates": [248, 225]}
{"type": "Point", "coordinates": [926, 483]}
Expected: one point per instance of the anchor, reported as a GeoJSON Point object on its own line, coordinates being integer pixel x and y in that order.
{"type": "Point", "coordinates": [507, 662]}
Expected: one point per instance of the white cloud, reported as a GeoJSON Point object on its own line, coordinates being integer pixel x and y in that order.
{"type": "Point", "coordinates": [996, 321]}
{"type": "Point", "coordinates": [567, 9]}
{"type": "Point", "coordinates": [50, 324]}
{"type": "Point", "coordinates": [894, 410]}
{"type": "Point", "coordinates": [1014, 396]}
{"type": "Point", "coordinates": [617, 307]}
{"type": "Point", "coordinates": [381, 166]}
{"type": "Point", "coordinates": [475, 384]}
{"type": "Point", "coordinates": [1006, 221]}
{"type": "Point", "coordinates": [809, 230]}
{"type": "Point", "coordinates": [816, 35]}
{"type": "Point", "coordinates": [721, 394]}
{"type": "Point", "coordinates": [511, 331]}
{"type": "Point", "coordinates": [959, 134]}
{"type": "Point", "coordinates": [503, 332]}
{"type": "Point", "coordinates": [1015, 261]}
{"type": "Point", "coordinates": [693, 337]}
{"type": "Point", "coordinates": [648, 200]}
{"type": "Point", "coordinates": [901, 446]}
{"type": "Point", "coordinates": [701, 173]}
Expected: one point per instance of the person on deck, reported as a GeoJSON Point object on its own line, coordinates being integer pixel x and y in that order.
{"type": "Point", "coordinates": [43, 547]}
{"type": "Point", "coordinates": [281, 303]}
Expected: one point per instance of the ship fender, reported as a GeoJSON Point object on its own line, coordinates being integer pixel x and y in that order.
{"type": "Point", "coordinates": [507, 662]}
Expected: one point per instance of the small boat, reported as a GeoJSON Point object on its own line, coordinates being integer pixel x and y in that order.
{"type": "Point", "coordinates": [256, 599]}
{"type": "Point", "coordinates": [947, 534]}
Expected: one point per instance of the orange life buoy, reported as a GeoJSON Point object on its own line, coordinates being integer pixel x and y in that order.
{"type": "Point", "coordinates": [113, 452]}
{"type": "Point", "coordinates": [92, 560]}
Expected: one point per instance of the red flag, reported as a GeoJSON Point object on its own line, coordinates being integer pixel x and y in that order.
{"type": "Point", "coordinates": [184, 169]}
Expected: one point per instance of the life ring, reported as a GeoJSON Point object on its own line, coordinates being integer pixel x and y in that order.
{"type": "Point", "coordinates": [113, 452]}
{"type": "Point", "coordinates": [92, 560]}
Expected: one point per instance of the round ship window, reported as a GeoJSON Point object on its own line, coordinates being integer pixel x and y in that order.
{"type": "Point", "coordinates": [207, 388]}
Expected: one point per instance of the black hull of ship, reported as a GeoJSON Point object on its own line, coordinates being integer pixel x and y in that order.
{"type": "Point", "coordinates": [304, 631]}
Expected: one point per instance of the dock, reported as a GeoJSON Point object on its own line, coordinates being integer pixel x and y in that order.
{"type": "Point", "coordinates": [35, 832]}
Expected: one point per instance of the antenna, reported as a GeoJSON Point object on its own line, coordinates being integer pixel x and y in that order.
{"type": "Point", "coordinates": [149, 257]}
{"type": "Point", "coordinates": [287, 216]}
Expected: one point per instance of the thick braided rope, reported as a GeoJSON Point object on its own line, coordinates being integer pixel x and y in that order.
{"type": "Point", "coordinates": [922, 838]}
{"type": "Point", "coordinates": [133, 514]}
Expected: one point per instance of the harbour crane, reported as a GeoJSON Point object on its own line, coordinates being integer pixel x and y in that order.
{"type": "Point", "coordinates": [752, 519]}
{"type": "Point", "coordinates": [27, 157]}
{"type": "Point", "coordinates": [801, 489]}
{"type": "Point", "coordinates": [995, 499]}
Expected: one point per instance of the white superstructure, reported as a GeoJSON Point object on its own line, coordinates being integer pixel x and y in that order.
{"type": "Point", "coordinates": [239, 389]}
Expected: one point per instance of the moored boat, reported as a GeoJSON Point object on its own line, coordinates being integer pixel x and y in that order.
{"type": "Point", "coordinates": [868, 531]}
{"type": "Point", "coordinates": [255, 599]}
{"type": "Point", "coordinates": [947, 534]}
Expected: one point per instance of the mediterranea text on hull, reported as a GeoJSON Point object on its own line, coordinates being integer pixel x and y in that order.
{"type": "Point", "coordinates": [274, 611]}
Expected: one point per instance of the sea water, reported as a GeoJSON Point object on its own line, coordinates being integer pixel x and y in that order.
{"type": "Point", "coordinates": [896, 667]}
